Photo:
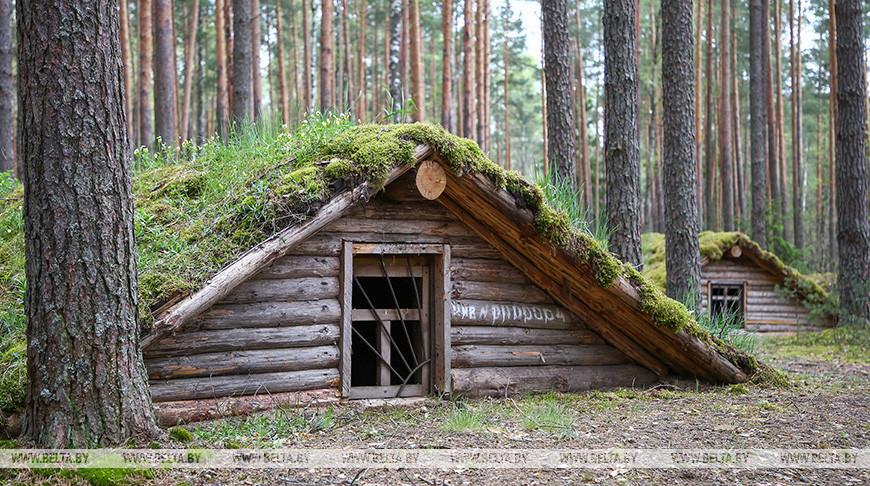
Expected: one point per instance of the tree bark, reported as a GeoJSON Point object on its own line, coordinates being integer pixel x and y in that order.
{"type": "Point", "coordinates": [308, 91]}
{"type": "Point", "coordinates": [7, 91]}
{"type": "Point", "coordinates": [256, 81]}
{"type": "Point", "coordinates": [583, 172]}
{"type": "Point", "coordinates": [145, 100]}
{"type": "Point", "coordinates": [710, 171]}
{"type": "Point", "coordinates": [832, 140]}
{"type": "Point", "coordinates": [682, 252]}
{"type": "Point", "coordinates": [621, 136]}
{"type": "Point", "coordinates": [242, 46]}
{"type": "Point", "coordinates": [164, 73]}
{"type": "Point", "coordinates": [448, 121]}
{"type": "Point", "coordinates": [469, 75]}
{"type": "Point", "coordinates": [772, 139]}
{"type": "Point", "coordinates": [86, 385]}
{"type": "Point", "coordinates": [327, 56]}
{"type": "Point", "coordinates": [758, 119]}
{"type": "Point", "coordinates": [395, 71]}
{"type": "Point", "coordinates": [125, 58]}
{"type": "Point", "coordinates": [417, 81]}
{"type": "Point", "coordinates": [189, 59]}
{"type": "Point", "coordinates": [347, 80]}
{"type": "Point", "coordinates": [725, 130]}
{"type": "Point", "coordinates": [362, 87]}
{"type": "Point", "coordinates": [699, 137]}
{"type": "Point", "coordinates": [853, 216]}
{"type": "Point", "coordinates": [798, 197]}
{"type": "Point", "coordinates": [560, 106]}
{"type": "Point", "coordinates": [282, 67]}
{"type": "Point", "coordinates": [222, 102]}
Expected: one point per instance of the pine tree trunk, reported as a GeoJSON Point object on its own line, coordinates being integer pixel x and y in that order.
{"type": "Point", "coordinates": [395, 72]}
{"type": "Point", "coordinates": [447, 119]}
{"type": "Point", "coordinates": [621, 136]}
{"type": "Point", "coordinates": [780, 122]}
{"type": "Point", "coordinates": [737, 125]}
{"type": "Point", "coordinates": [699, 137]}
{"type": "Point", "coordinates": [772, 133]}
{"type": "Point", "coordinates": [347, 79]}
{"type": "Point", "coordinates": [710, 166]}
{"type": "Point", "coordinates": [145, 99]}
{"type": "Point", "coordinates": [417, 81]}
{"type": "Point", "coordinates": [584, 178]}
{"type": "Point", "coordinates": [80, 250]}
{"type": "Point", "coordinates": [282, 67]}
{"type": "Point", "coordinates": [5, 21]}
{"type": "Point", "coordinates": [242, 55]}
{"type": "Point", "coordinates": [296, 101]}
{"type": "Point", "coordinates": [327, 56]}
{"type": "Point", "coordinates": [486, 79]}
{"type": "Point", "coordinates": [222, 102]}
{"type": "Point", "coordinates": [189, 61]}
{"type": "Point", "coordinates": [469, 78]}
{"type": "Point", "coordinates": [599, 166]}
{"type": "Point", "coordinates": [164, 73]}
{"type": "Point", "coordinates": [798, 198]}
{"type": "Point", "coordinates": [832, 140]}
{"type": "Point", "coordinates": [853, 229]}
{"type": "Point", "coordinates": [758, 119]}
{"type": "Point", "coordinates": [256, 81]}
{"type": "Point", "coordinates": [308, 89]}
{"type": "Point", "coordinates": [362, 86]}
{"type": "Point", "coordinates": [725, 133]}
{"type": "Point", "coordinates": [560, 109]}
{"type": "Point", "coordinates": [7, 90]}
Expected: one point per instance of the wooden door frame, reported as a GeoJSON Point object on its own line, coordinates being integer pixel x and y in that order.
{"type": "Point", "coordinates": [439, 304]}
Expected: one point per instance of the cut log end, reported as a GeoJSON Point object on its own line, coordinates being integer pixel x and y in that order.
{"type": "Point", "coordinates": [736, 251]}
{"type": "Point", "coordinates": [431, 179]}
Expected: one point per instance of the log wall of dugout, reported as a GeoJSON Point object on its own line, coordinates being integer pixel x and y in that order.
{"type": "Point", "coordinates": [766, 308]}
{"type": "Point", "coordinates": [279, 331]}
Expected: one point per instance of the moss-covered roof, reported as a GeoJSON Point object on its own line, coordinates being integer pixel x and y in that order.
{"type": "Point", "coordinates": [714, 245]}
{"type": "Point", "coordinates": [195, 217]}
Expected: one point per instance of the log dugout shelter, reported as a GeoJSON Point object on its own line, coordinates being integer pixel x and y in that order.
{"type": "Point", "coordinates": [744, 279]}
{"type": "Point", "coordinates": [437, 283]}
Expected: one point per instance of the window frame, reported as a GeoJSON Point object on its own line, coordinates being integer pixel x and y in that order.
{"type": "Point", "coordinates": [439, 317]}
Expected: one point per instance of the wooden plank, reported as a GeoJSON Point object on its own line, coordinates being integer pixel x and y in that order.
{"type": "Point", "coordinates": [486, 270]}
{"type": "Point", "coordinates": [520, 335]}
{"type": "Point", "coordinates": [380, 208]}
{"type": "Point", "coordinates": [477, 356]}
{"type": "Point", "coordinates": [397, 248]}
{"type": "Point", "coordinates": [265, 253]}
{"type": "Point", "coordinates": [512, 314]}
{"type": "Point", "coordinates": [389, 391]}
{"type": "Point", "coordinates": [535, 379]}
{"type": "Point", "coordinates": [398, 226]}
{"type": "Point", "coordinates": [242, 362]}
{"type": "Point", "coordinates": [385, 314]}
{"type": "Point", "coordinates": [293, 266]}
{"type": "Point", "coordinates": [187, 342]}
{"type": "Point", "coordinates": [189, 411]}
{"type": "Point", "coordinates": [462, 246]}
{"type": "Point", "coordinates": [498, 291]}
{"type": "Point", "coordinates": [240, 385]}
{"type": "Point", "coordinates": [442, 321]}
{"type": "Point", "coordinates": [268, 314]}
{"type": "Point", "coordinates": [283, 290]}
{"type": "Point", "coordinates": [346, 318]}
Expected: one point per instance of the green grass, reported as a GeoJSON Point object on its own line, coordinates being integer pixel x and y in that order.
{"type": "Point", "coordinates": [838, 344]}
{"type": "Point", "coordinates": [266, 429]}
{"type": "Point", "coordinates": [728, 328]}
{"type": "Point", "coordinates": [551, 417]}
{"type": "Point", "coordinates": [467, 416]}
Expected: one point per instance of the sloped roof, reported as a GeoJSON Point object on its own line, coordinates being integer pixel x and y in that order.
{"type": "Point", "coordinates": [716, 245]}
{"type": "Point", "coordinates": [504, 209]}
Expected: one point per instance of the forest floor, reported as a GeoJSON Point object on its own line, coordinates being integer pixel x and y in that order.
{"type": "Point", "coordinates": [828, 406]}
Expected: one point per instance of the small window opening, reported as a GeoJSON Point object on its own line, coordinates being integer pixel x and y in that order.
{"type": "Point", "coordinates": [390, 338]}
{"type": "Point", "coordinates": [727, 299]}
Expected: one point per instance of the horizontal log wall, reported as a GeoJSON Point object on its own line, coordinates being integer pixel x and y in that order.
{"type": "Point", "coordinates": [518, 380]}
{"type": "Point", "coordinates": [767, 310]}
{"type": "Point", "coordinates": [279, 330]}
